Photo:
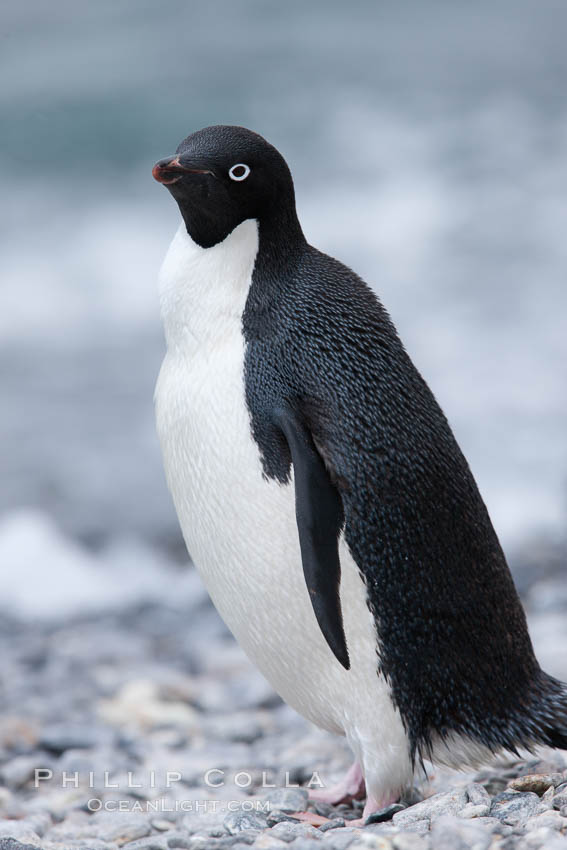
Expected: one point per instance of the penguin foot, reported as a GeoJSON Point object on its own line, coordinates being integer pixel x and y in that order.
{"type": "Point", "coordinates": [351, 787]}
{"type": "Point", "coordinates": [376, 811]}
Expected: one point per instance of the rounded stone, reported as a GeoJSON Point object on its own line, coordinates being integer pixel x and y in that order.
{"type": "Point", "coordinates": [538, 783]}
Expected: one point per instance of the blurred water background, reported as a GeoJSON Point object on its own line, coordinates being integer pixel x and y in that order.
{"type": "Point", "coordinates": [428, 143]}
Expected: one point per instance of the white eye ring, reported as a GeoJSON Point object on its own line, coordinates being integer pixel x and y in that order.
{"type": "Point", "coordinates": [239, 177]}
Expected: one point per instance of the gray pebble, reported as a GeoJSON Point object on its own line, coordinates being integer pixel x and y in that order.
{"type": "Point", "coordinates": [197, 842]}
{"type": "Point", "coordinates": [306, 830]}
{"type": "Point", "coordinates": [177, 840]}
{"type": "Point", "coordinates": [334, 823]}
{"type": "Point", "coordinates": [288, 832]}
{"type": "Point", "coordinates": [323, 809]}
{"type": "Point", "coordinates": [280, 817]}
{"type": "Point", "coordinates": [341, 838]}
{"type": "Point", "coordinates": [493, 825]}
{"type": "Point", "coordinates": [547, 797]}
{"type": "Point", "coordinates": [162, 825]}
{"type": "Point", "coordinates": [452, 833]}
{"type": "Point", "coordinates": [287, 799]}
{"type": "Point", "coordinates": [560, 800]}
{"type": "Point", "coordinates": [154, 842]}
{"type": "Point", "coordinates": [205, 823]}
{"type": "Point", "coordinates": [418, 826]}
{"type": "Point", "coordinates": [552, 819]}
{"type": "Point", "coordinates": [478, 795]}
{"type": "Point", "coordinates": [13, 844]}
{"type": "Point", "coordinates": [122, 830]}
{"type": "Point", "coordinates": [475, 811]}
{"type": "Point", "coordinates": [246, 836]}
{"type": "Point", "coordinates": [448, 802]}
{"type": "Point", "coordinates": [284, 832]}
{"type": "Point", "coordinates": [238, 821]}
{"type": "Point", "coordinates": [511, 807]}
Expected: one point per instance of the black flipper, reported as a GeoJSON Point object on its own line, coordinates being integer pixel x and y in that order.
{"type": "Point", "coordinates": [319, 513]}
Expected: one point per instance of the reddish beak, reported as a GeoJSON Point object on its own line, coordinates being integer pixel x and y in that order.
{"type": "Point", "coordinates": [170, 170]}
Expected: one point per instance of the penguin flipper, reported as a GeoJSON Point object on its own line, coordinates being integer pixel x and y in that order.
{"type": "Point", "coordinates": [319, 514]}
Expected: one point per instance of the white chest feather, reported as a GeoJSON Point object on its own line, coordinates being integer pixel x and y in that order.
{"type": "Point", "coordinates": [240, 528]}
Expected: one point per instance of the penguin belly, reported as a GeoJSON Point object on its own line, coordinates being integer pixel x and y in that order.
{"type": "Point", "coordinates": [240, 528]}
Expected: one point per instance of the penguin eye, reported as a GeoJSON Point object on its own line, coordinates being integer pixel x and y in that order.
{"type": "Point", "coordinates": [239, 172]}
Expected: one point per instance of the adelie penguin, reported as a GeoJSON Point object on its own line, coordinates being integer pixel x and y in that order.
{"type": "Point", "coordinates": [321, 493]}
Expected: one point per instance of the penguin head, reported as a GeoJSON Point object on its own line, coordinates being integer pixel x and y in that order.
{"type": "Point", "coordinates": [223, 175]}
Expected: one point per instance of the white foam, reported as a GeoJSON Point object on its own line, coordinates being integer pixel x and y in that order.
{"type": "Point", "coordinates": [47, 576]}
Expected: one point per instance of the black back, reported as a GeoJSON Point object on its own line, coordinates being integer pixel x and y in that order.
{"type": "Point", "coordinates": [453, 636]}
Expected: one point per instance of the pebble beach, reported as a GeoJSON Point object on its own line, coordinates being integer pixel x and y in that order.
{"type": "Point", "coordinates": [142, 725]}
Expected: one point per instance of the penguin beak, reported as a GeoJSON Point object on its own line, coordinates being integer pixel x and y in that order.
{"type": "Point", "coordinates": [170, 170]}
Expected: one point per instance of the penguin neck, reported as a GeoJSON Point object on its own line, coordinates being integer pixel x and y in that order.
{"type": "Point", "coordinates": [279, 228]}
{"type": "Point", "coordinates": [281, 245]}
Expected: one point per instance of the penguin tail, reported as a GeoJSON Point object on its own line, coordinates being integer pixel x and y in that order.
{"type": "Point", "coordinates": [550, 714]}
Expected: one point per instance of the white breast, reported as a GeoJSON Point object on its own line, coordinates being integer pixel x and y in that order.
{"type": "Point", "coordinates": [240, 528]}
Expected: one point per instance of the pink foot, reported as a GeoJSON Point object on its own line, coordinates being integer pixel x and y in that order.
{"type": "Point", "coordinates": [351, 787]}
{"type": "Point", "coordinates": [373, 805]}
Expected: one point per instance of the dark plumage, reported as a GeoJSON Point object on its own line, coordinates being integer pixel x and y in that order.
{"type": "Point", "coordinates": [455, 645]}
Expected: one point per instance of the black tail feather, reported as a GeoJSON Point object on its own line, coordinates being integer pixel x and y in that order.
{"type": "Point", "coordinates": [551, 713]}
